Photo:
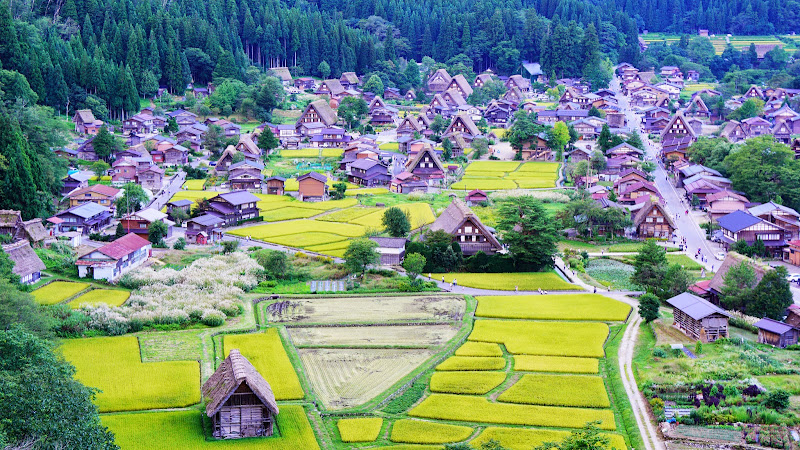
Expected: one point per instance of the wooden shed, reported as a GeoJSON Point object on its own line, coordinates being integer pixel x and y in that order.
{"type": "Point", "coordinates": [240, 401]}
{"type": "Point", "coordinates": [776, 334]}
{"type": "Point", "coordinates": [698, 318]}
{"type": "Point", "coordinates": [312, 187]}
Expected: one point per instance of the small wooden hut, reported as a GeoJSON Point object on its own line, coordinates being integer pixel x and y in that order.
{"type": "Point", "coordinates": [776, 334]}
{"type": "Point", "coordinates": [240, 401]}
{"type": "Point", "coordinates": [698, 318]}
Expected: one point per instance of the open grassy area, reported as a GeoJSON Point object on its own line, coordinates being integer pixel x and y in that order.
{"type": "Point", "coordinates": [57, 292]}
{"type": "Point", "coordinates": [526, 281]}
{"type": "Point", "coordinates": [113, 365]}
{"type": "Point", "coordinates": [265, 350]}
{"type": "Point", "coordinates": [543, 338]}
{"type": "Point", "coordinates": [362, 429]}
{"type": "Point", "coordinates": [184, 430]}
{"type": "Point", "coordinates": [553, 307]}
{"type": "Point", "coordinates": [558, 390]}
{"type": "Point", "coordinates": [97, 296]}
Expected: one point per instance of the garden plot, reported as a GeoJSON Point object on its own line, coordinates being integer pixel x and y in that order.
{"type": "Point", "coordinates": [553, 307]}
{"type": "Point", "coordinates": [265, 351]}
{"type": "Point", "coordinates": [57, 292]}
{"type": "Point", "coordinates": [526, 438]}
{"type": "Point", "coordinates": [343, 378]}
{"type": "Point", "coordinates": [374, 309]}
{"type": "Point", "coordinates": [184, 429]}
{"type": "Point", "coordinates": [98, 296]}
{"type": "Point", "coordinates": [419, 336]}
{"type": "Point", "coordinates": [558, 390]}
{"type": "Point", "coordinates": [543, 338]}
{"type": "Point", "coordinates": [113, 365]}
{"type": "Point", "coordinates": [525, 281]}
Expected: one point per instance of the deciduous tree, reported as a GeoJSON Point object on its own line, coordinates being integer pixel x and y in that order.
{"type": "Point", "coordinates": [396, 222]}
{"type": "Point", "coordinates": [529, 232]}
{"type": "Point", "coordinates": [361, 254]}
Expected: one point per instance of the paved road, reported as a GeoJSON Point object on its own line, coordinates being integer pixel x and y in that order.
{"type": "Point", "coordinates": [168, 191]}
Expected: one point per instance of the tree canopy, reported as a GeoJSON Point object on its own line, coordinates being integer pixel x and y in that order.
{"type": "Point", "coordinates": [529, 232]}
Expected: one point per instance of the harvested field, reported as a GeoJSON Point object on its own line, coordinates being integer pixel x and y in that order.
{"type": "Point", "coordinates": [553, 307]}
{"type": "Point", "coordinates": [362, 429]}
{"type": "Point", "coordinates": [466, 382]}
{"type": "Point", "coordinates": [127, 384]}
{"type": "Point", "coordinates": [265, 350]}
{"type": "Point", "coordinates": [377, 309]}
{"type": "Point", "coordinates": [526, 439]}
{"type": "Point", "coordinates": [558, 390]}
{"type": "Point", "coordinates": [544, 338]}
{"type": "Point", "coordinates": [169, 430]}
{"type": "Point", "coordinates": [402, 335]}
{"type": "Point", "coordinates": [479, 349]}
{"type": "Point", "coordinates": [469, 363]}
{"type": "Point", "coordinates": [97, 296]}
{"type": "Point", "coordinates": [526, 281]}
{"type": "Point", "coordinates": [468, 408]}
{"type": "Point", "coordinates": [344, 378]}
{"type": "Point", "coordinates": [533, 363]}
{"type": "Point", "coordinates": [57, 292]}
{"type": "Point", "coordinates": [421, 432]}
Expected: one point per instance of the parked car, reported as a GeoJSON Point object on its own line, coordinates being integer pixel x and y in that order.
{"type": "Point", "coordinates": [719, 255]}
{"type": "Point", "coordinates": [793, 277]}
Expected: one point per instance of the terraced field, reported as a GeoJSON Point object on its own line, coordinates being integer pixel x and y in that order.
{"type": "Point", "coordinates": [504, 175]}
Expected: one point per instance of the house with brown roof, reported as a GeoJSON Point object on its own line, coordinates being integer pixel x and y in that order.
{"type": "Point", "coordinates": [460, 84]}
{"type": "Point", "coordinates": [349, 80]}
{"type": "Point", "coordinates": [734, 131]}
{"type": "Point", "coordinates": [409, 127]}
{"type": "Point", "coordinates": [636, 190]}
{"type": "Point", "coordinates": [723, 203]}
{"type": "Point", "coordinates": [697, 108]}
{"type": "Point", "coordinates": [114, 259]}
{"type": "Point", "coordinates": [459, 221]}
{"type": "Point", "coordinates": [482, 79]}
{"type": "Point", "coordinates": [27, 265]}
{"type": "Point", "coordinates": [332, 88]}
{"type": "Point", "coordinates": [732, 259]}
{"type": "Point", "coordinates": [275, 185]}
{"type": "Point", "coordinates": [776, 333]}
{"type": "Point", "coordinates": [464, 125]}
{"type": "Point", "coordinates": [536, 149]}
{"type": "Point", "coordinates": [99, 193]}
{"type": "Point", "coordinates": [85, 122]}
{"type": "Point", "coordinates": [628, 178]}
{"type": "Point", "coordinates": [783, 216]}
{"type": "Point", "coordinates": [439, 81]}
{"type": "Point", "coordinates": [320, 112]}
{"type": "Point", "coordinates": [698, 318]}
{"type": "Point", "coordinates": [475, 197]}
{"type": "Point", "coordinates": [519, 82]}
{"type": "Point", "coordinates": [240, 401]}
{"type": "Point", "coordinates": [653, 221]}
{"type": "Point", "coordinates": [312, 187]}
{"type": "Point", "coordinates": [427, 166]}
{"type": "Point", "coordinates": [283, 74]}
{"type": "Point", "coordinates": [246, 175]}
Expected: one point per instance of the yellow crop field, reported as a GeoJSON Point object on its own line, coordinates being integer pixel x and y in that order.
{"type": "Point", "coordinates": [268, 231]}
{"type": "Point", "coordinates": [362, 429]}
{"type": "Point", "coordinates": [485, 184]}
{"type": "Point", "coordinates": [113, 365]}
{"type": "Point", "coordinates": [420, 214]}
{"type": "Point", "coordinates": [470, 363]}
{"type": "Point", "coordinates": [553, 307]}
{"type": "Point", "coordinates": [287, 213]}
{"type": "Point", "coordinates": [526, 438]}
{"type": "Point", "coordinates": [543, 338]}
{"type": "Point", "coordinates": [558, 390]}
{"type": "Point", "coordinates": [304, 240]}
{"type": "Point", "coordinates": [195, 185]}
{"type": "Point", "coordinates": [420, 432]}
{"type": "Point", "coordinates": [492, 166]}
{"type": "Point", "coordinates": [332, 152]}
{"type": "Point", "coordinates": [301, 153]}
{"type": "Point", "coordinates": [466, 382]}
{"type": "Point", "coordinates": [347, 215]}
{"type": "Point", "coordinates": [526, 281]}
{"type": "Point", "coordinates": [366, 191]}
{"type": "Point", "coordinates": [327, 206]}
{"type": "Point", "coordinates": [468, 408]}
{"type": "Point", "coordinates": [534, 363]}
{"type": "Point", "coordinates": [479, 349]}
{"type": "Point", "coordinates": [265, 350]}
{"type": "Point", "coordinates": [97, 296]}
{"type": "Point", "coordinates": [57, 292]}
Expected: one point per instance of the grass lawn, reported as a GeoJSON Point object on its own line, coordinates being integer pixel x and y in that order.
{"type": "Point", "coordinates": [57, 292]}
{"type": "Point", "coordinates": [97, 296]}
{"type": "Point", "coordinates": [526, 281]}
{"type": "Point", "coordinates": [543, 338]}
{"type": "Point", "coordinates": [553, 307]}
{"type": "Point", "coordinates": [183, 429]}
{"type": "Point", "coordinates": [265, 350]}
{"type": "Point", "coordinates": [113, 365]}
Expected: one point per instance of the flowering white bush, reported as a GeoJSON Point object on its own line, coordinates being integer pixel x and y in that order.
{"type": "Point", "coordinates": [209, 288]}
{"type": "Point", "coordinates": [545, 196]}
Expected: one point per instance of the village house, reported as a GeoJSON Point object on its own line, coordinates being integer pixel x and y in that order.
{"type": "Point", "coordinates": [74, 180]}
{"type": "Point", "coordinates": [99, 194]}
{"type": "Point", "coordinates": [139, 123]}
{"type": "Point", "coordinates": [234, 207]}
{"type": "Point", "coordinates": [550, 117]}
{"type": "Point", "coordinates": [176, 155]}
{"type": "Point", "coordinates": [27, 265]}
{"type": "Point", "coordinates": [193, 134]}
{"type": "Point", "coordinates": [229, 129]}
{"type": "Point", "coordinates": [780, 215]}
{"type": "Point", "coordinates": [151, 178]}
{"type": "Point", "coordinates": [85, 122]}
{"type": "Point", "coordinates": [697, 108]}
{"type": "Point", "coordinates": [406, 182]}
{"type": "Point", "coordinates": [139, 222]}
{"type": "Point", "coordinates": [179, 205]}
{"type": "Point", "coordinates": [183, 118]}
{"type": "Point", "coordinates": [499, 112]}
{"type": "Point", "coordinates": [519, 82]}
{"type": "Point", "coordinates": [312, 187]}
{"type": "Point", "coordinates": [741, 225]}
{"type": "Point", "coordinates": [275, 185]}
{"type": "Point", "coordinates": [283, 74]}
{"type": "Point", "coordinates": [349, 80]}
{"type": "Point", "coordinates": [427, 166]}
{"type": "Point", "coordinates": [246, 175]}
{"type": "Point", "coordinates": [698, 318]}
{"type": "Point", "coordinates": [368, 172]}
{"type": "Point", "coordinates": [204, 230]}
{"type": "Point", "coordinates": [628, 178]}
{"type": "Point", "coordinates": [392, 251]}
{"type": "Point", "coordinates": [536, 149]}
{"type": "Point", "coordinates": [409, 127]}
{"type": "Point", "coordinates": [734, 132]}
{"type": "Point", "coordinates": [624, 149]}
{"type": "Point", "coordinates": [114, 259]}
{"type": "Point", "coordinates": [467, 229]}
{"type": "Point", "coordinates": [304, 83]}
{"type": "Point", "coordinates": [87, 218]}
{"type": "Point", "coordinates": [723, 203]}
{"type": "Point", "coordinates": [332, 88]}
{"type": "Point", "coordinates": [318, 111]}
{"type": "Point", "coordinates": [330, 138]}
{"type": "Point", "coordinates": [240, 401]}
{"type": "Point", "coordinates": [482, 79]}
{"type": "Point", "coordinates": [463, 125]}
{"type": "Point", "coordinates": [619, 164]}
{"type": "Point", "coordinates": [636, 190]}
{"type": "Point", "coordinates": [12, 225]}
{"type": "Point", "coordinates": [753, 92]}
{"type": "Point", "coordinates": [460, 84]}
{"type": "Point", "coordinates": [653, 221]}
{"type": "Point", "coordinates": [775, 333]}
{"type": "Point", "coordinates": [578, 154]}
{"type": "Point", "coordinates": [439, 81]}
{"type": "Point", "coordinates": [793, 316]}
{"type": "Point", "coordinates": [124, 171]}
{"type": "Point", "coordinates": [476, 197]}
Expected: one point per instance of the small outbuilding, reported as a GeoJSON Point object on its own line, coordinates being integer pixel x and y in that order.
{"type": "Point", "coordinates": [699, 319]}
{"type": "Point", "coordinates": [312, 187]}
{"type": "Point", "coordinates": [240, 401]}
{"type": "Point", "coordinates": [392, 250]}
{"type": "Point", "coordinates": [476, 197]}
{"type": "Point", "coordinates": [776, 334]}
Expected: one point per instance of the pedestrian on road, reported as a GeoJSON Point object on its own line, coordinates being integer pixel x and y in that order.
{"type": "Point", "coordinates": [430, 276]}
{"type": "Point", "coordinates": [451, 286]}
{"type": "Point", "coordinates": [595, 289]}
{"type": "Point", "coordinates": [442, 278]}
{"type": "Point", "coordinates": [516, 289]}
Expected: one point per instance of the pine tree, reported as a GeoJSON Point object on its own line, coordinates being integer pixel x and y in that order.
{"type": "Point", "coordinates": [9, 45]}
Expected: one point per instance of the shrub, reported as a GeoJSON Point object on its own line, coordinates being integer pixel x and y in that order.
{"type": "Point", "coordinates": [213, 318]}
{"type": "Point", "coordinates": [657, 404]}
{"type": "Point", "coordinates": [180, 244]}
{"type": "Point", "coordinates": [401, 403]}
{"type": "Point", "coordinates": [777, 399]}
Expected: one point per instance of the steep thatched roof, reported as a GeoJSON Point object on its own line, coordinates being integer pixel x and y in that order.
{"type": "Point", "coordinates": [326, 114]}
{"type": "Point", "coordinates": [35, 229]}
{"type": "Point", "coordinates": [25, 260]}
{"type": "Point", "coordinates": [733, 259]}
{"type": "Point", "coordinates": [234, 371]}
{"type": "Point", "coordinates": [455, 215]}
